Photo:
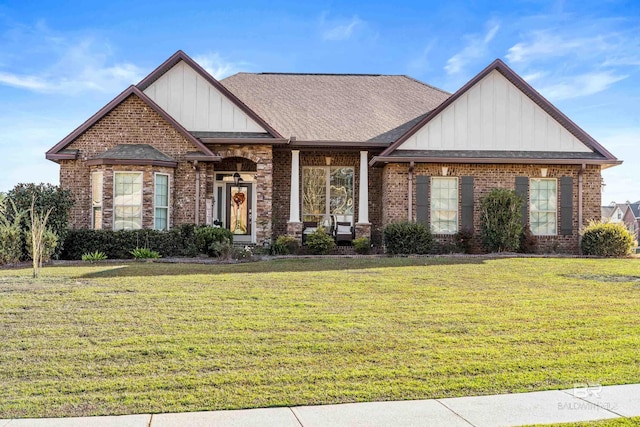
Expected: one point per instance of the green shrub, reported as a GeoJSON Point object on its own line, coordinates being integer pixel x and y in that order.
{"type": "Point", "coordinates": [528, 242]}
{"type": "Point", "coordinates": [206, 236]}
{"type": "Point", "coordinates": [463, 241]}
{"type": "Point", "coordinates": [319, 242]}
{"type": "Point", "coordinates": [362, 245]}
{"type": "Point", "coordinates": [11, 236]}
{"type": "Point", "coordinates": [49, 244]}
{"type": "Point", "coordinates": [179, 241]}
{"type": "Point", "coordinates": [145, 253]}
{"type": "Point", "coordinates": [606, 239]}
{"type": "Point", "coordinates": [285, 245]}
{"type": "Point", "coordinates": [94, 256]}
{"type": "Point", "coordinates": [500, 220]}
{"type": "Point", "coordinates": [407, 238]}
{"type": "Point", "coordinates": [223, 250]}
{"type": "Point", "coordinates": [45, 197]}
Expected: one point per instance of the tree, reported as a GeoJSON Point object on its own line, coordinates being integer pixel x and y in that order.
{"type": "Point", "coordinates": [43, 240]}
{"type": "Point", "coordinates": [501, 222]}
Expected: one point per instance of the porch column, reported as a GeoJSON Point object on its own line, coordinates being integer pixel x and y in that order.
{"type": "Point", "coordinates": [294, 200]}
{"type": "Point", "coordinates": [363, 199]}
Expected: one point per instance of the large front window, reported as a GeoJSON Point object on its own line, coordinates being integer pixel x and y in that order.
{"type": "Point", "coordinates": [127, 201]}
{"type": "Point", "coordinates": [327, 194]}
{"type": "Point", "coordinates": [444, 205]}
{"type": "Point", "coordinates": [543, 206]}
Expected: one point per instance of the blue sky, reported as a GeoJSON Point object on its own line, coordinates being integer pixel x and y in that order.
{"type": "Point", "coordinates": [61, 61]}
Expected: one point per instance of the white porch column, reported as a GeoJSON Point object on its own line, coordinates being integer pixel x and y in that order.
{"type": "Point", "coordinates": [363, 199]}
{"type": "Point", "coordinates": [294, 200]}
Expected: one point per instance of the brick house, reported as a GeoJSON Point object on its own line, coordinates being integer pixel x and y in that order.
{"type": "Point", "coordinates": [269, 153]}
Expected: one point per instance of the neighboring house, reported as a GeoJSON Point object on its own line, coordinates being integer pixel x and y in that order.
{"type": "Point", "coordinates": [626, 213]}
{"type": "Point", "coordinates": [261, 154]}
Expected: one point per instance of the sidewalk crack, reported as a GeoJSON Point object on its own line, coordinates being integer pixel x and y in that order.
{"type": "Point", "coordinates": [457, 414]}
{"type": "Point", "coordinates": [295, 415]}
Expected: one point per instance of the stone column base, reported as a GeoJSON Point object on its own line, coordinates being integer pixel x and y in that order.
{"type": "Point", "coordinates": [295, 229]}
{"type": "Point", "coordinates": [363, 230]}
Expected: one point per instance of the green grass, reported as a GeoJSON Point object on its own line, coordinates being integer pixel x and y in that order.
{"type": "Point", "coordinates": [153, 337]}
{"type": "Point", "coordinates": [615, 422]}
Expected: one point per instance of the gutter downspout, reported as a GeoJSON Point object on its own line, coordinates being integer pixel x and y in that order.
{"type": "Point", "coordinates": [580, 180]}
{"type": "Point", "coordinates": [197, 214]}
{"type": "Point", "coordinates": [410, 193]}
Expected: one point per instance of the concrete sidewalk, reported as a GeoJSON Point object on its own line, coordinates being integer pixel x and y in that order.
{"type": "Point", "coordinates": [544, 407]}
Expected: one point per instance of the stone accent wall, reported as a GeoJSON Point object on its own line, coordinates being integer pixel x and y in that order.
{"type": "Point", "coordinates": [489, 176]}
{"type": "Point", "coordinates": [282, 186]}
{"type": "Point", "coordinates": [131, 122]}
{"type": "Point", "coordinates": [258, 159]}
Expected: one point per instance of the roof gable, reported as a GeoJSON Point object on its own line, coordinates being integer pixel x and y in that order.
{"type": "Point", "coordinates": [198, 101]}
{"type": "Point", "coordinates": [497, 111]}
{"type": "Point", "coordinates": [57, 152]}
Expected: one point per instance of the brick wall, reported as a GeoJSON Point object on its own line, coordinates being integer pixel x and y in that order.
{"type": "Point", "coordinates": [131, 122]}
{"type": "Point", "coordinates": [487, 177]}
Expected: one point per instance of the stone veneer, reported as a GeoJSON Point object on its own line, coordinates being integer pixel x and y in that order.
{"type": "Point", "coordinates": [489, 176]}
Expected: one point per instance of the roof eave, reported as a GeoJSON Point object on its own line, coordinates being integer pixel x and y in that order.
{"type": "Point", "coordinates": [138, 162]}
{"type": "Point", "coordinates": [55, 157]}
{"type": "Point", "coordinates": [253, 141]}
{"type": "Point", "coordinates": [338, 144]}
{"type": "Point", "coordinates": [382, 160]}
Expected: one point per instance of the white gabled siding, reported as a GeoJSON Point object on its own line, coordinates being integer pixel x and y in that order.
{"type": "Point", "coordinates": [196, 104]}
{"type": "Point", "coordinates": [494, 115]}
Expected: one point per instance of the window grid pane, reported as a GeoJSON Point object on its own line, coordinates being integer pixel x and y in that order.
{"type": "Point", "coordinates": [543, 206]}
{"type": "Point", "coordinates": [127, 201]}
{"type": "Point", "coordinates": [444, 205]}
{"type": "Point", "coordinates": [96, 200]}
{"type": "Point", "coordinates": [161, 211]}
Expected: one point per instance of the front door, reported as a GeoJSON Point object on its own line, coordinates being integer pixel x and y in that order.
{"type": "Point", "coordinates": [239, 211]}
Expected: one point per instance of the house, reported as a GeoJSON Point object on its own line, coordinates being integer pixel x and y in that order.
{"type": "Point", "coordinates": [626, 213]}
{"type": "Point", "coordinates": [263, 153]}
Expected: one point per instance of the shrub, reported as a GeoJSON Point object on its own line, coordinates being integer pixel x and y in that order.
{"type": "Point", "coordinates": [501, 222]}
{"type": "Point", "coordinates": [463, 241]}
{"type": "Point", "coordinates": [145, 253]}
{"type": "Point", "coordinates": [11, 240]}
{"type": "Point", "coordinates": [94, 256]}
{"type": "Point", "coordinates": [179, 241]}
{"type": "Point", "coordinates": [45, 197]}
{"type": "Point", "coordinates": [362, 245]}
{"type": "Point", "coordinates": [285, 245]}
{"type": "Point", "coordinates": [223, 250]}
{"type": "Point", "coordinates": [606, 239]}
{"type": "Point", "coordinates": [319, 242]}
{"type": "Point", "coordinates": [528, 242]}
{"type": "Point", "coordinates": [407, 238]}
{"type": "Point", "coordinates": [206, 236]}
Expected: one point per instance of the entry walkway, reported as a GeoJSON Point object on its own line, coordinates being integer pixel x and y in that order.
{"type": "Point", "coordinates": [582, 403]}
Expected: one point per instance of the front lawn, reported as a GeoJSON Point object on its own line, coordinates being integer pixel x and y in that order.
{"type": "Point", "coordinates": [149, 337]}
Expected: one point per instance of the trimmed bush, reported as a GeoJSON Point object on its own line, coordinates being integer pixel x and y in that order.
{"type": "Point", "coordinates": [407, 238]}
{"type": "Point", "coordinates": [206, 236]}
{"type": "Point", "coordinates": [606, 239]}
{"type": "Point", "coordinates": [463, 241]}
{"type": "Point", "coordinates": [528, 242]}
{"type": "Point", "coordinates": [179, 241]}
{"type": "Point", "coordinates": [500, 220]}
{"type": "Point", "coordinates": [285, 245]}
{"type": "Point", "coordinates": [362, 245]}
{"type": "Point", "coordinates": [319, 242]}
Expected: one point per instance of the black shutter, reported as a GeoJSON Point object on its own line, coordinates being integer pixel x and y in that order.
{"type": "Point", "coordinates": [522, 189]}
{"type": "Point", "coordinates": [566, 205]}
{"type": "Point", "coordinates": [422, 199]}
{"type": "Point", "coordinates": [467, 203]}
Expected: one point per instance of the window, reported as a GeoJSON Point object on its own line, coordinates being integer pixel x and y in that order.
{"type": "Point", "coordinates": [543, 206]}
{"type": "Point", "coordinates": [327, 191]}
{"type": "Point", "coordinates": [444, 205]}
{"type": "Point", "coordinates": [96, 200]}
{"type": "Point", "coordinates": [127, 201]}
{"type": "Point", "coordinates": [161, 212]}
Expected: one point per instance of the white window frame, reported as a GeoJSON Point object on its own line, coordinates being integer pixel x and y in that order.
{"type": "Point", "coordinates": [97, 204]}
{"type": "Point", "coordinates": [531, 207]}
{"type": "Point", "coordinates": [155, 206]}
{"type": "Point", "coordinates": [457, 205]}
{"type": "Point", "coordinates": [115, 174]}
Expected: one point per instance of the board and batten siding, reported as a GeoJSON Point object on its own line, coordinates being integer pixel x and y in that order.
{"type": "Point", "coordinates": [196, 104]}
{"type": "Point", "coordinates": [494, 115]}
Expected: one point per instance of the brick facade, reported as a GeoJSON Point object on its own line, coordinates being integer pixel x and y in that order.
{"type": "Point", "coordinates": [395, 198]}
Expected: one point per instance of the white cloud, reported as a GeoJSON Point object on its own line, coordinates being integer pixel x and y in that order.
{"type": "Point", "coordinates": [71, 65]}
{"type": "Point", "coordinates": [545, 44]}
{"type": "Point", "coordinates": [581, 85]}
{"type": "Point", "coordinates": [476, 47]}
{"type": "Point", "coordinates": [340, 29]}
{"type": "Point", "coordinates": [218, 67]}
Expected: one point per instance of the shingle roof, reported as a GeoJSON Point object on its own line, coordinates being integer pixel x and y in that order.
{"type": "Point", "coordinates": [336, 107]}
{"type": "Point", "coordinates": [134, 152]}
